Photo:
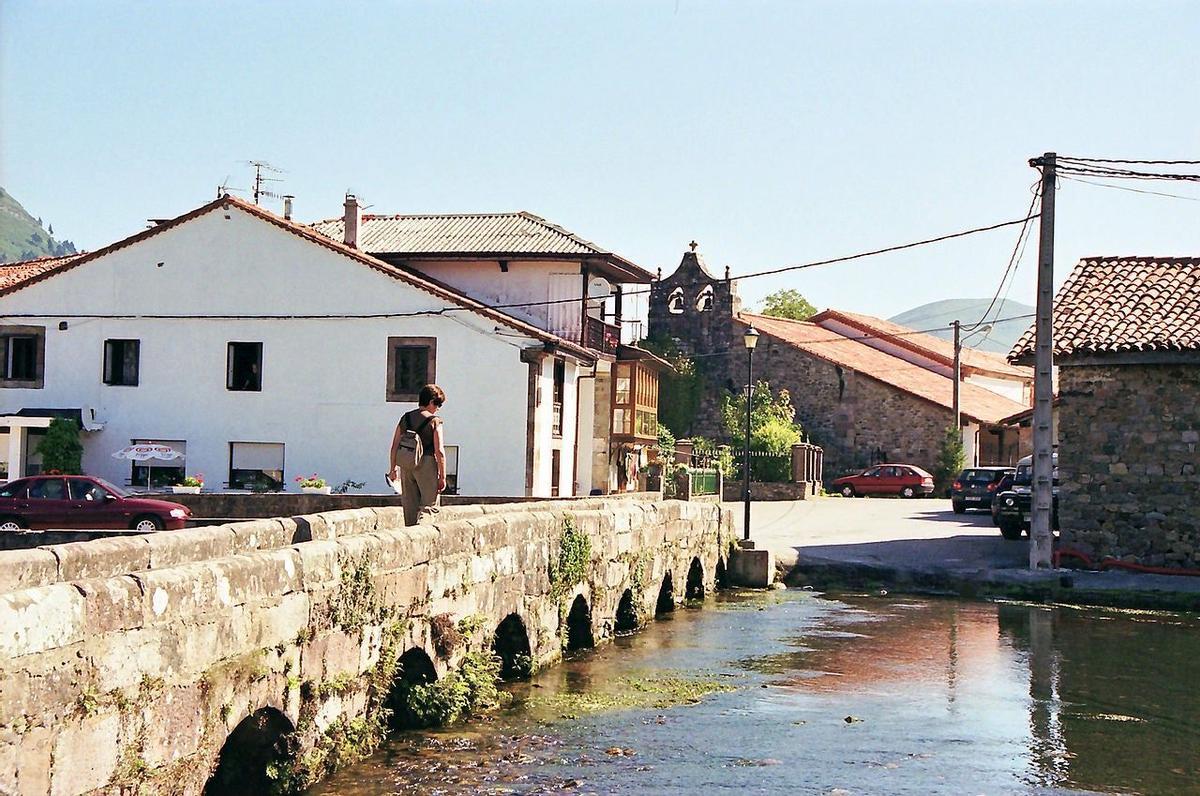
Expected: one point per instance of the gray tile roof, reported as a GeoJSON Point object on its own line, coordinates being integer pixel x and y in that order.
{"type": "Point", "coordinates": [476, 234]}
{"type": "Point", "coordinates": [1122, 304]}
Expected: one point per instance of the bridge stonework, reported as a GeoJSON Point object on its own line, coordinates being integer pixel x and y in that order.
{"type": "Point", "coordinates": [126, 664]}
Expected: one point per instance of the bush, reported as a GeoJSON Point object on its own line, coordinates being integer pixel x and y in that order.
{"type": "Point", "coordinates": [950, 461]}
{"type": "Point", "coordinates": [60, 449]}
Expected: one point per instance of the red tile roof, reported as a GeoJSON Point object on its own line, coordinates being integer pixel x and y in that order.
{"type": "Point", "coordinates": [1121, 304]}
{"type": "Point", "coordinates": [976, 403]}
{"type": "Point", "coordinates": [13, 274]}
{"type": "Point", "coordinates": [227, 202]}
{"type": "Point", "coordinates": [935, 348]}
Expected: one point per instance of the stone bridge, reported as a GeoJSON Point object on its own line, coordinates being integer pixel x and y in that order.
{"type": "Point", "coordinates": [258, 656]}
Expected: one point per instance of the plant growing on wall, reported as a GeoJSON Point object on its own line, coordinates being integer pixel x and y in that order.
{"type": "Point", "coordinates": [773, 430]}
{"type": "Point", "coordinates": [949, 462]}
{"type": "Point", "coordinates": [61, 449]}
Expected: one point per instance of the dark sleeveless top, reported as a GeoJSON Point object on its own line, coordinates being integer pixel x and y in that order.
{"type": "Point", "coordinates": [412, 421]}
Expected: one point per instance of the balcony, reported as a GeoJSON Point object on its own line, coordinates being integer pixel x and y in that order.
{"type": "Point", "coordinates": [600, 336]}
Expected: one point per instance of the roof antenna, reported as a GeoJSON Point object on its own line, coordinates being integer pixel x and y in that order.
{"type": "Point", "coordinates": [259, 167]}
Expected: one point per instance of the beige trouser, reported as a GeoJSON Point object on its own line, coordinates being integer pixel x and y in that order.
{"type": "Point", "coordinates": [419, 489]}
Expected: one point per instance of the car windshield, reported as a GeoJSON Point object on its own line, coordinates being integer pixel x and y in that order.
{"type": "Point", "coordinates": [113, 489]}
{"type": "Point", "coordinates": [1024, 475]}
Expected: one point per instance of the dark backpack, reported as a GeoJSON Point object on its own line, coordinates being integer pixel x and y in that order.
{"type": "Point", "coordinates": [411, 449]}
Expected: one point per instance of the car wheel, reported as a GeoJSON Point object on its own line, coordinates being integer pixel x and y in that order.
{"type": "Point", "coordinates": [12, 524]}
{"type": "Point", "coordinates": [1009, 530]}
{"type": "Point", "coordinates": [847, 491]}
{"type": "Point", "coordinates": [958, 507]}
{"type": "Point", "coordinates": [995, 518]}
{"type": "Point", "coordinates": [908, 492]}
{"type": "Point", "coordinates": [147, 523]}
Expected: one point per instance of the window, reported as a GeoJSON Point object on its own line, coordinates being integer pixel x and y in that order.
{"type": "Point", "coordinates": [257, 466]}
{"type": "Point", "coordinates": [121, 362]}
{"type": "Point", "coordinates": [151, 473]}
{"type": "Point", "coordinates": [412, 363]}
{"type": "Point", "coordinates": [244, 367]}
{"type": "Point", "coordinates": [560, 378]}
{"type": "Point", "coordinates": [82, 489]}
{"type": "Point", "coordinates": [48, 489]}
{"type": "Point", "coordinates": [22, 356]}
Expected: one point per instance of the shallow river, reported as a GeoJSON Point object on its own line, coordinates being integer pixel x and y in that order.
{"type": "Point", "coordinates": [856, 695]}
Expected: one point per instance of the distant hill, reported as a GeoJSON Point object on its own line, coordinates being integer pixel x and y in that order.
{"type": "Point", "coordinates": [22, 237]}
{"type": "Point", "coordinates": [939, 315]}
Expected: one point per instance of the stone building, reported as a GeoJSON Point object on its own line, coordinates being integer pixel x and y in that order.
{"type": "Point", "coordinates": [864, 389]}
{"type": "Point", "coordinates": [1127, 344]}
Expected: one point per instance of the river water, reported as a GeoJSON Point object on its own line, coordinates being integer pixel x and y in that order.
{"type": "Point", "coordinates": [848, 695]}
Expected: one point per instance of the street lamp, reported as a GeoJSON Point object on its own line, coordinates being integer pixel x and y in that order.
{"type": "Point", "coordinates": [956, 401]}
{"type": "Point", "coordinates": [751, 340]}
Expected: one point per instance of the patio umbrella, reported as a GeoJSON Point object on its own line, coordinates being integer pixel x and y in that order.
{"type": "Point", "coordinates": [145, 452]}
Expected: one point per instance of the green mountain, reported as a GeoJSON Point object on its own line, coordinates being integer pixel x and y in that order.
{"type": "Point", "coordinates": [938, 315]}
{"type": "Point", "coordinates": [22, 237]}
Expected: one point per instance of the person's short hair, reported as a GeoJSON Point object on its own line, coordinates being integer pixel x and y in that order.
{"type": "Point", "coordinates": [431, 393]}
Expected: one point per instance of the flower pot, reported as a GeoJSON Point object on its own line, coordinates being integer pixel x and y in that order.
{"type": "Point", "coordinates": [186, 490]}
{"type": "Point", "coordinates": [315, 490]}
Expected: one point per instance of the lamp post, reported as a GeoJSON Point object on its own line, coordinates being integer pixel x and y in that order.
{"type": "Point", "coordinates": [751, 340]}
{"type": "Point", "coordinates": [958, 346]}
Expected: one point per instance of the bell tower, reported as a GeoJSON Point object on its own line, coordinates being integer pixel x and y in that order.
{"type": "Point", "coordinates": [693, 307]}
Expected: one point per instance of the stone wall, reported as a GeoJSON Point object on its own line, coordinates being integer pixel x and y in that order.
{"type": "Point", "coordinates": [1129, 469]}
{"type": "Point", "coordinates": [851, 416]}
{"type": "Point", "coordinates": [125, 664]}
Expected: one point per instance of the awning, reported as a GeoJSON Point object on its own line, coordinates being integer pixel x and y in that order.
{"type": "Point", "coordinates": [85, 418]}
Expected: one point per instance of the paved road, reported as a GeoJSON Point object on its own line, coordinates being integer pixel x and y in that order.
{"type": "Point", "coordinates": [911, 534]}
{"type": "Point", "coordinates": [922, 535]}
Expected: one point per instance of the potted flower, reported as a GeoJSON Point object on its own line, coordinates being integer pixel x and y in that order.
{"type": "Point", "coordinates": [313, 484]}
{"type": "Point", "coordinates": [190, 485]}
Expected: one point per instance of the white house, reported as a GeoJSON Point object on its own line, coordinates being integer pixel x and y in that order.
{"type": "Point", "coordinates": [261, 350]}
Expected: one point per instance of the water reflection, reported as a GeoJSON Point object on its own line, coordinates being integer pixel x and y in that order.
{"type": "Point", "coordinates": [866, 695]}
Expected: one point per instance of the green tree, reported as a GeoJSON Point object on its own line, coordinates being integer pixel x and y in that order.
{"type": "Point", "coordinates": [678, 391]}
{"type": "Point", "coordinates": [773, 430]}
{"type": "Point", "coordinates": [788, 304]}
{"type": "Point", "coordinates": [949, 462]}
{"type": "Point", "coordinates": [61, 449]}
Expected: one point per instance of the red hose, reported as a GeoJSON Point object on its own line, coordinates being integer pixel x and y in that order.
{"type": "Point", "coordinates": [1108, 562]}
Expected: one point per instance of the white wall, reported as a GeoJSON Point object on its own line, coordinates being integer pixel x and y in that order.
{"type": "Point", "coordinates": [1017, 391]}
{"type": "Point", "coordinates": [544, 439]}
{"type": "Point", "coordinates": [324, 381]}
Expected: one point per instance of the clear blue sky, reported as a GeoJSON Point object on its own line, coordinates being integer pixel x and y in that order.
{"type": "Point", "coordinates": [772, 133]}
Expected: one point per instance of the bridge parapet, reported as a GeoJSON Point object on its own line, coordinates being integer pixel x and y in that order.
{"type": "Point", "coordinates": [129, 662]}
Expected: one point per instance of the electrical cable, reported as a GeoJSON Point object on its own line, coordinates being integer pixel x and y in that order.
{"type": "Point", "coordinates": [1036, 190]}
{"type": "Point", "coordinates": [1131, 190]}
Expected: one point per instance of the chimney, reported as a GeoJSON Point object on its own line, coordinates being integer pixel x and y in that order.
{"type": "Point", "coordinates": [287, 207]}
{"type": "Point", "coordinates": [352, 218]}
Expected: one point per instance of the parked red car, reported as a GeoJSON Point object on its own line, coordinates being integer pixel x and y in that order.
{"type": "Point", "coordinates": [80, 501]}
{"type": "Point", "coordinates": [905, 480]}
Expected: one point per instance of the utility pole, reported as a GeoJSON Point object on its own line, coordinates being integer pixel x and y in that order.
{"type": "Point", "coordinates": [1041, 541]}
{"type": "Point", "coordinates": [957, 378]}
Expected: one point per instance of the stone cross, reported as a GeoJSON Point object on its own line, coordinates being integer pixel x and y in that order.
{"type": "Point", "coordinates": [693, 244]}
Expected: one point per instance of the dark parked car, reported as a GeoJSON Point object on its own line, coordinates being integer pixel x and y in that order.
{"type": "Point", "coordinates": [80, 501]}
{"type": "Point", "coordinates": [905, 480]}
{"type": "Point", "coordinates": [1005, 485]}
{"type": "Point", "coordinates": [975, 486]}
{"type": "Point", "coordinates": [1013, 515]}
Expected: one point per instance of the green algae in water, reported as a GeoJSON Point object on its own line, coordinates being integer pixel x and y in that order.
{"type": "Point", "coordinates": [628, 693]}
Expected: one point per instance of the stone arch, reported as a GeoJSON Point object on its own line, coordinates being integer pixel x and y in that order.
{"type": "Point", "coordinates": [704, 299]}
{"type": "Point", "coordinates": [627, 617]}
{"type": "Point", "coordinates": [414, 669]}
{"type": "Point", "coordinates": [695, 581]}
{"type": "Point", "coordinates": [721, 576]}
{"type": "Point", "coordinates": [511, 643]}
{"type": "Point", "coordinates": [258, 741]}
{"type": "Point", "coordinates": [579, 625]}
{"type": "Point", "coordinates": [675, 301]}
{"type": "Point", "coordinates": [666, 597]}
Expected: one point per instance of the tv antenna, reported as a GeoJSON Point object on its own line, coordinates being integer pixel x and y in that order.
{"type": "Point", "coordinates": [259, 167]}
{"type": "Point", "coordinates": [225, 188]}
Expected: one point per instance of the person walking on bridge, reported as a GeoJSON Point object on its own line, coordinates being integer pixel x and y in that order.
{"type": "Point", "coordinates": [418, 454]}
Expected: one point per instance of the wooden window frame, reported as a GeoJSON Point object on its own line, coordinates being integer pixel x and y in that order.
{"type": "Point", "coordinates": [108, 362]}
{"type": "Point", "coordinates": [39, 379]}
{"type": "Point", "coordinates": [430, 343]}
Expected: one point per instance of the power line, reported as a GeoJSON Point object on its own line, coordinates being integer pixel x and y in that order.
{"type": "Point", "coordinates": [1012, 260]}
{"type": "Point", "coordinates": [477, 307]}
{"type": "Point", "coordinates": [1131, 190]}
{"type": "Point", "coordinates": [1138, 162]}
